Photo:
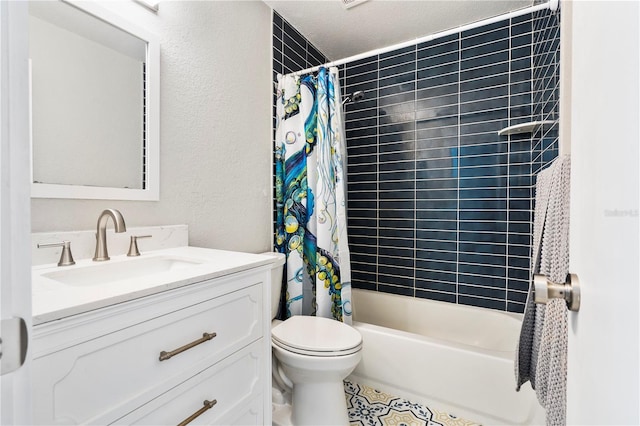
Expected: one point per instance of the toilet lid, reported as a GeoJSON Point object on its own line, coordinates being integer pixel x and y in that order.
{"type": "Point", "coordinates": [316, 336]}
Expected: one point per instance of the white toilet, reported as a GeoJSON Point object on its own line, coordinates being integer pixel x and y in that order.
{"type": "Point", "coordinates": [315, 354]}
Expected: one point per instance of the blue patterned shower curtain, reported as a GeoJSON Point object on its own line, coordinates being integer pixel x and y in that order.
{"type": "Point", "coordinates": [311, 222]}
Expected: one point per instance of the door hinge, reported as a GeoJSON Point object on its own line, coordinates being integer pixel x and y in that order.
{"type": "Point", "coordinates": [13, 344]}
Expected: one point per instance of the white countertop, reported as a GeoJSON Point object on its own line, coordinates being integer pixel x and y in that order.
{"type": "Point", "coordinates": [53, 300]}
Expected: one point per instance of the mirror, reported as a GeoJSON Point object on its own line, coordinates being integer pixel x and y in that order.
{"type": "Point", "coordinates": [94, 104]}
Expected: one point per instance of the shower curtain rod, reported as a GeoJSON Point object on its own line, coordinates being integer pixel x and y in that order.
{"type": "Point", "coordinates": [551, 4]}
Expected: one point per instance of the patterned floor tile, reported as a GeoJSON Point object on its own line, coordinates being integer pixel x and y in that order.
{"type": "Point", "coordinates": [370, 407]}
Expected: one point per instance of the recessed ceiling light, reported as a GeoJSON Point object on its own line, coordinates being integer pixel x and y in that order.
{"type": "Point", "coordinates": [348, 4]}
{"type": "Point", "coordinates": [149, 4]}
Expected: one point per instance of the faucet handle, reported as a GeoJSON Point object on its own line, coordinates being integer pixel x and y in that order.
{"type": "Point", "coordinates": [133, 246]}
{"type": "Point", "coordinates": [66, 258]}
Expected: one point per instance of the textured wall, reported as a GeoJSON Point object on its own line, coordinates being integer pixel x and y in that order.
{"type": "Point", "coordinates": [215, 128]}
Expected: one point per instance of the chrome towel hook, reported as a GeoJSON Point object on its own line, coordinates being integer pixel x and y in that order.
{"type": "Point", "coordinates": [570, 291]}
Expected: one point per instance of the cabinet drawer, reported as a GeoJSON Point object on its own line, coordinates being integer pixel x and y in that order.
{"type": "Point", "coordinates": [102, 378]}
{"type": "Point", "coordinates": [235, 383]}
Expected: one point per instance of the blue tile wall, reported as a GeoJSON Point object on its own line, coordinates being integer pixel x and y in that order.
{"type": "Point", "coordinates": [546, 87]}
{"type": "Point", "coordinates": [291, 50]}
{"type": "Point", "coordinates": [439, 205]}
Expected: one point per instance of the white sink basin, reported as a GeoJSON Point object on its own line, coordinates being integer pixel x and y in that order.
{"type": "Point", "coordinates": [105, 272]}
{"type": "Point", "coordinates": [59, 292]}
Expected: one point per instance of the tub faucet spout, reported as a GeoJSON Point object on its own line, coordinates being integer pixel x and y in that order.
{"type": "Point", "coordinates": [101, 233]}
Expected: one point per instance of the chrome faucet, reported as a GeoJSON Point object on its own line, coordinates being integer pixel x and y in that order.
{"type": "Point", "coordinates": [101, 234]}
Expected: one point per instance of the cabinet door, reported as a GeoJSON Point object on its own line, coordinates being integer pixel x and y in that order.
{"type": "Point", "coordinates": [235, 384]}
{"type": "Point", "coordinates": [101, 380]}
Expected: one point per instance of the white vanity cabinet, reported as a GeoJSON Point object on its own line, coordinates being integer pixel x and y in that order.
{"type": "Point", "coordinates": [104, 366]}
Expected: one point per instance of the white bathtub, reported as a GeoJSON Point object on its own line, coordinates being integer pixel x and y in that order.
{"type": "Point", "coordinates": [454, 358]}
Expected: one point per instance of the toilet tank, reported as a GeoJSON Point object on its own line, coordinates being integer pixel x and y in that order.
{"type": "Point", "coordinates": [276, 280]}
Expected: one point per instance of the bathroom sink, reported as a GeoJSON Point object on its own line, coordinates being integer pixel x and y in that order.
{"type": "Point", "coordinates": [59, 292]}
{"type": "Point", "coordinates": [101, 273]}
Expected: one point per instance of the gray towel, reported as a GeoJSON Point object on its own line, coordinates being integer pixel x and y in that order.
{"type": "Point", "coordinates": [541, 356]}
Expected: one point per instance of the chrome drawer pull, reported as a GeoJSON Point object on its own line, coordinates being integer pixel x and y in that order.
{"type": "Point", "coordinates": [207, 405]}
{"type": "Point", "coordinates": [166, 355]}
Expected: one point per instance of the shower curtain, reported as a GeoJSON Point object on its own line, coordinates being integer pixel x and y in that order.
{"type": "Point", "coordinates": [311, 226]}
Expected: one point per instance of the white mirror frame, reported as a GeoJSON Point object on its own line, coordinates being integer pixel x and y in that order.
{"type": "Point", "coordinates": [152, 166]}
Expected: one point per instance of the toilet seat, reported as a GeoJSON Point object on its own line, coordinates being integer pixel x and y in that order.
{"type": "Point", "coordinates": [316, 336]}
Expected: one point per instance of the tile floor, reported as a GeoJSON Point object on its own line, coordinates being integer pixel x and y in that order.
{"type": "Point", "coordinates": [370, 407]}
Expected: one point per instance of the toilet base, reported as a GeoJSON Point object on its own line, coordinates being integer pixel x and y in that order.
{"type": "Point", "coordinates": [319, 404]}
{"type": "Point", "coordinates": [281, 415]}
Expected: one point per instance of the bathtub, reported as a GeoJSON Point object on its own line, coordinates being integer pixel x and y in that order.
{"type": "Point", "coordinates": [454, 358]}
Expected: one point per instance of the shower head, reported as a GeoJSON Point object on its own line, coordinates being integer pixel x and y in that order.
{"type": "Point", "coordinates": [357, 96]}
{"type": "Point", "coordinates": [354, 97]}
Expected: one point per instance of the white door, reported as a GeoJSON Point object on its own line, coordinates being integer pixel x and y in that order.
{"type": "Point", "coordinates": [603, 370]}
{"type": "Point", "coordinates": [15, 227]}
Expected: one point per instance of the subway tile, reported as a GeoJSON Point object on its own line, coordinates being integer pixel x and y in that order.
{"type": "Point", "coordinates": [365, 282]}
{"type": "Point", "coordinates": [477, 71]}
{"type": "Point", "coordinates": [436, 235]}
{"type": "Point", "coordinates": [427, 284]}
{"type": "Point", "coordinates": [435, 295]}
{"type": "Point", "coordinates": [403, 281]}
{"type": "Point", "coordinates": [398, 290]}
{"type": "Point", "coordinates": [436, 184]}
{"type": "Point", "coordinates": [485, 149]}
{"type": "Point", "coordinates": [436, 204]}
{"type": "Point", "coordinates": [483, 264]}
{"type": "Point", "coordinates": [521, 285]}
{"type": "Point", "coordinates": [437, 215]}
{"type": "Point", "coordinates": [486, 106]}
{"type": "Point", "coordinates": [395, 261]}
{"type": "Point", "coordinates": [434, 265]}
{"type": "Point", "coordinates": [364, 267]}
{"type": "Point", "coordinates": [491, 215]}
{"type": "Point", "coordinates": [515, 307]}
{"type": "Point", "coordinates": [483, 160]}
{"type": "Point", "coordinates": [483, 280]}
{"type": "Point", "coordinates": [481, 46]}
{"type": "Point", "coordinates": [396, 233]}
{"type": "Point", "coordinates": [450, 80]}
{"type": "Point", "coordinates": [474, 172]}
{"type": "Point", "coordinates": [397, 270]}
{"type": "Point", "coordinates": [489, 237]}
{"type": "Point", "coordinates": [441, 225]}
{"type": "Point", "coordinates": [484, 82]}
{"type": "Point", "coordinates": [427, 91]}
{"type": "Point", "coordinates": [438, 47]}
{"type": "Point", "coordinates": [482, 302]}
{"type": "Point", "coordinates": [482, 248]}
{"type": "Point", "coordinates": [517, 296]}
{"type": "Point", "coordinates": [437, 174]}
{"type": "Point", "coordinates": [423, 248]}
{"type": "Point", "coordinates": [396, 204]}
{"type": "Point", "coordinates": [364, 256]}
{"type": "Point", "coordinates": [362, 78]}
{"type": "Point", "coordinates": [518, 262]}
{"type": "Point", "coordinates": [361, 67]}
{"type": "Point", "coordinates": [490, 31]}
{"type": "Point", "coordinates": [398, 64]}
{"type": "Point", "coordinates": [366, 176]}
{"type": "Point", "coordinates": [469, 290]}
{"type": "Point", "coordinates": [395, 242]}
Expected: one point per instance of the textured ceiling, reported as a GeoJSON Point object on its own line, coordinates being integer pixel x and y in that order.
{"type": "Point", "coordinates": [338, 32]}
